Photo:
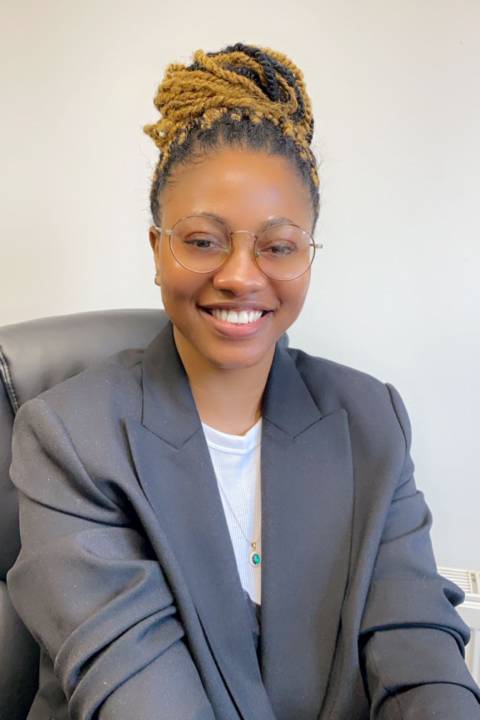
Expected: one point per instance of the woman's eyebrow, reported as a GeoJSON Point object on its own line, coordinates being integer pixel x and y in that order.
{"type": "Point", "coordinates": [276, 221]}
{"type": "Point", "coordinates": [214, 216]}
{"type": "Point", "coordinates": [267, 223]}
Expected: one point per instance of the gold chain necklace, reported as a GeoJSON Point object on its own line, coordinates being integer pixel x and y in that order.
{"type": "Point", "coordinates": [254, 557]}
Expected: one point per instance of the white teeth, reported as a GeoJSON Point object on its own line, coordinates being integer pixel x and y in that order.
{"type": "Point", "coordinates": [237, 318]}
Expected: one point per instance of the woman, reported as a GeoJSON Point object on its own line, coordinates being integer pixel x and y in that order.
{"type": "Point", "coordinates": [169, 569]}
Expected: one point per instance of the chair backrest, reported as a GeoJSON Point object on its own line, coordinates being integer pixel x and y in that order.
{"type": "Point", "coordinates": [34, 356]}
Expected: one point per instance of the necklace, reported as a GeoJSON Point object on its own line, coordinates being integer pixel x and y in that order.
{"type": "Point", "coordinates": [254, 557]}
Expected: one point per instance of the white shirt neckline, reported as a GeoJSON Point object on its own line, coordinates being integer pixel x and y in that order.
{"type": "Point", "coordinates": [236, 444]}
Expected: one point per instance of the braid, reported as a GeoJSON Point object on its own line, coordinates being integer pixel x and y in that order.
{"type": "Point", "coordinates": [241, 94]}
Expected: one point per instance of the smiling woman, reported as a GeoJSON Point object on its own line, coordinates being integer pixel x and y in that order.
{"type": "Point", "coordinates": [218, 526]}
{"type": "Point", "coordinates": [248, 190]}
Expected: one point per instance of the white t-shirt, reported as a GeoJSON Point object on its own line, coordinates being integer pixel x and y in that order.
{"type": "Point", "coordinates": [236, 461]}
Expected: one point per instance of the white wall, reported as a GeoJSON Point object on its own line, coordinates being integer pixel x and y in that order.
{"type": "Point", "coordinates": [396, 291]}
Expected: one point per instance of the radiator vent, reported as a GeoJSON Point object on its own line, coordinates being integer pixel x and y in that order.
{"type": "Point", "coordinates": [469, 582]}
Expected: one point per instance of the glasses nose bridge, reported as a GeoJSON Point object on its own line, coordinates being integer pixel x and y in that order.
{"type": "Point", "coordinates": [254, 237]}
{"type": "Point", "coordinates": [240, 265]}
{"type": "Point", "coordinates": [252, 234]}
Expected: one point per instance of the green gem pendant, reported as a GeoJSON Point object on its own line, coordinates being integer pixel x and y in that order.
{"type": "Point", "coordinates": [255, 557]}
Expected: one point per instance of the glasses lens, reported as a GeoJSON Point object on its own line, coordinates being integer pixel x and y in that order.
{"type": "Point", "coordinates": [200, 244]}
{"type": "Point", "coordinates": [284, 252]}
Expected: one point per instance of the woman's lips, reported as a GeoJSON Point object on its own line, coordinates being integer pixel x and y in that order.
{"type": "Point", "coordinates": [236, 330]}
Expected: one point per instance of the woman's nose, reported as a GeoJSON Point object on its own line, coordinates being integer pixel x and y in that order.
{"type": "Point", "coordinates": [240, 273]}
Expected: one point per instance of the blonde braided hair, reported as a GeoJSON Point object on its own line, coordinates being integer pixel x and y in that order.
{"type": "Point", "coordinates": [239, 83]}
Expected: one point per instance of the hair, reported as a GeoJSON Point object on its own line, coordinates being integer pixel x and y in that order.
{"type": "Point", "coordinates": [241, 96]}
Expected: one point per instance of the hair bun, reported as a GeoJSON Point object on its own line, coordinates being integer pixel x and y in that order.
{"type": "Point", "coordinates": [241, 80]}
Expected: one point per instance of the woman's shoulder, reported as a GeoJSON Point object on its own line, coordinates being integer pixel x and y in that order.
{"type": "Point", "coordinates": [333, 384]}
{"type": "Point", "coordinates": [322, 368]}
{"type": "Point", "coordinates": [376, 411]}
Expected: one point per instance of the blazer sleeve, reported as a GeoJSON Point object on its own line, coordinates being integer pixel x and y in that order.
{"type": "Point", "coordinates": [89, 589]}
{"type": "Point", "coordinates": [412, 640]}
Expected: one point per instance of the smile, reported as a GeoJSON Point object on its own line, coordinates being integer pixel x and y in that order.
{"type": "Point", "coordinates": [236, 322]}
{"type": "Point", "coordinates": [237, 317]}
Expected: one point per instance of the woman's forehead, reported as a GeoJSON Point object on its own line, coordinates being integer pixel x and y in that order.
{"type": "Point", "coordinates": [236, 182]}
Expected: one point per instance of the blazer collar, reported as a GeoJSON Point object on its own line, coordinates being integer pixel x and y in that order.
{"type": "Point", "coordinates": [169, 409]}
{"type": "Point", "coordinates": [307, 506]}
{"type": "Point", "coordinates": [166, 394]}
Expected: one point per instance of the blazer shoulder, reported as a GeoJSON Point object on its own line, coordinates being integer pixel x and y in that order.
{"type": "Point", "coordinates": [334, 384]}
{"type": "Point", "coordinates": [378, 420]}
{"type": "Point", "coordinates": [369, 401]}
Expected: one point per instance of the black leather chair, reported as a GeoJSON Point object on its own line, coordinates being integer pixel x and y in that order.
{"type": "Point", "coordinates": [34, 356]}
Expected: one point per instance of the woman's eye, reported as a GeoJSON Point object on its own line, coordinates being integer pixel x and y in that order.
{"type": "Point", "coordinates": [204, 243]}
{"type": "Point", "coordinates": [279, 249]}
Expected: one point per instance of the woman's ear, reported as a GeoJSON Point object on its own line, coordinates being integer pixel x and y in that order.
{"type": "Point", "coordinates": [154, 238]}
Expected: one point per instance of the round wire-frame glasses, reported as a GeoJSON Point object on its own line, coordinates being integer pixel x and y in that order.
{"type": "Point", "coordinates": [203, 243]}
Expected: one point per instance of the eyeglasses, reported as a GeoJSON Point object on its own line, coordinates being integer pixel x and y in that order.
{"type": "Point", "coordinates": [202, 244]}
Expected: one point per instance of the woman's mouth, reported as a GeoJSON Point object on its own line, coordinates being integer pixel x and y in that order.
{"type": "Point", "coordinates": [237, 317]}
{"type": "Point", "coordinates": [236, 322]}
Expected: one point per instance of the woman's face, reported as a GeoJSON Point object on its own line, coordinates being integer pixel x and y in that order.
{"type": "Point", "coordinates": [246, 188]}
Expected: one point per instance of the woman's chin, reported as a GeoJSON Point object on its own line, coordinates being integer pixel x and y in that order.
{"type": "Point", "coordinates": [223, 352]}
{"type": "Point", "coordinates": [237, 359]}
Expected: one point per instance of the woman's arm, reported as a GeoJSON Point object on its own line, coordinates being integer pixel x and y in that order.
{"type": "Point", "coordinates": [412, 640]}
{"type": "Point", "coordinates": [90, 590]}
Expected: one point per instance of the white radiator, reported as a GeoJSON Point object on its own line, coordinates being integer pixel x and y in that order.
{"type": "Point", "coordinates": [469, 582]}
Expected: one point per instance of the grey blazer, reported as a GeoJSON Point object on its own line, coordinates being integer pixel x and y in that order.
{"type": "Point", "coordinates": [128, 581]}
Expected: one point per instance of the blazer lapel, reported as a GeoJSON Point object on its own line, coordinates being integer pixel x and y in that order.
{"type": "Point", "coordinates": [307, 506]}
{"type": "Point", "coordinates": [175, 471]}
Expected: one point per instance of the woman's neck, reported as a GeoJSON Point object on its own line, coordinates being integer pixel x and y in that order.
{"type": "Point", "coordinates": [229, 400]}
